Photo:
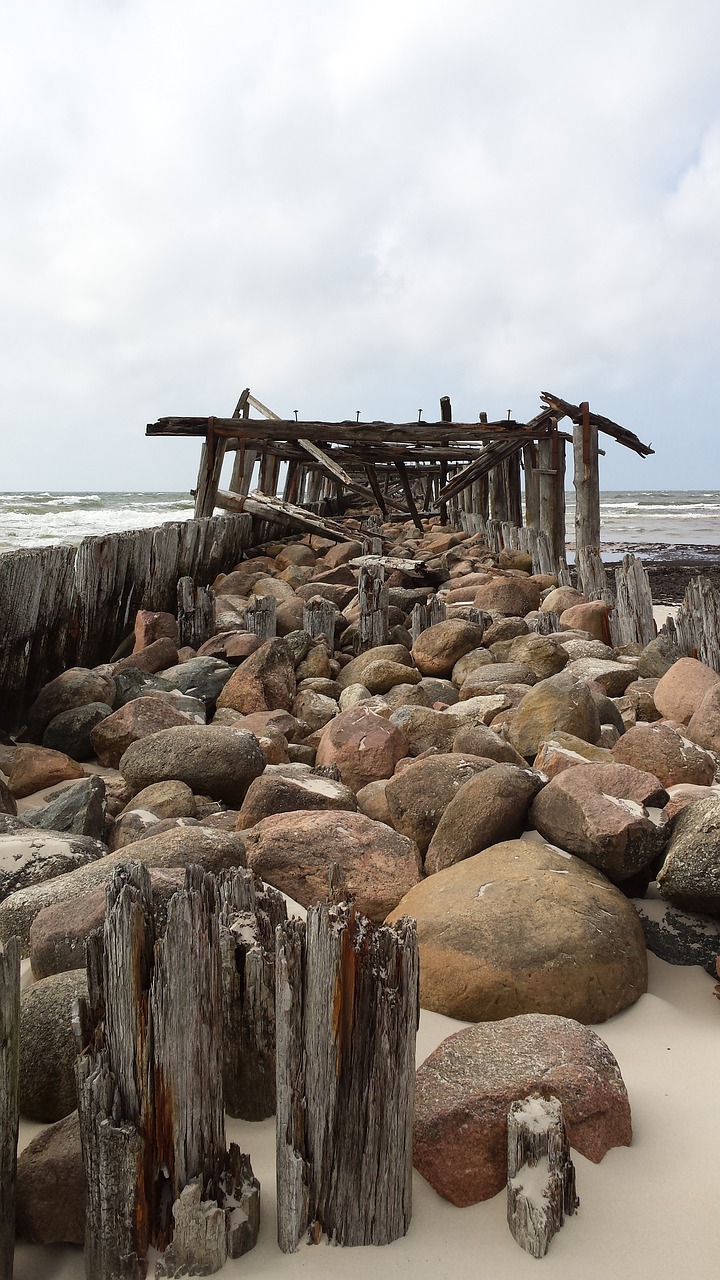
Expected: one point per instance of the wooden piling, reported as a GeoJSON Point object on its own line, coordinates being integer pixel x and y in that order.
{"type": "Point", "coordinates": [319, 617]}
{"type": "Point", "coordinates": [587, 481]}
{"type": "Point", "coordinates": [373, 596]}
{"type": "Point", "coordinates": [195, 612]}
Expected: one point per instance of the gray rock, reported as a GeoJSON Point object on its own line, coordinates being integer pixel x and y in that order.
{"type": "Point", "coordinates": [202, 678]}
{"type": "Point", "coordinates": [690, 875]}
{"type": "Point", "coordinates": [79, 810]}
{"type": "Point", "coordinates": [30, 857]}
{"type": "Point", "coordinates": [658, 657]}
{"type": "Point", "coordinates": [215, 760]}
{"type": "Point", "coordinates": [46, 1089]}
{"type": "Point", "coordinates": [70, 731]}
{"type": "Point", "coordinates": [277, 794]}
{"type": "Point", "coordinates": [133, 683]}
{"type": "Point", "coordinates": [489, 808]}
{"type": "Point", "coordinates": [51, 1188]}
{"type": "Point", "coordinates": [682, 937]}
{"type": "Point", "coordinates": [7, 800]}
{"type": "Point", "coordinates": [73, 688]}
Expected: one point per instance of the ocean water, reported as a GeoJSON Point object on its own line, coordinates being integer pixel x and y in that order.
{"type": "Point", "coordinates": [666, 518]}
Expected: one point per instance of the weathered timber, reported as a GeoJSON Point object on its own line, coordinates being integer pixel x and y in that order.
{"type": "Point", "coordinates": [319, 617]}
{"type": "Point", "coordinates": [205, 1235]}
{"type": "Point", "coordinates": [695, 629]}
{"type": "Point", "coordinates": [373, 526]}
{"type": "Point", "coordinates": [409, 498]}
{"type": "Point", "coordinates": [195, 612]}
{"type": "Point", "coordinates": [587, 481]}
{"type": "Point", "coordinates": [532, 493]}
{"type": "Point", "coordinates": [347, 1015]}
{"type": "Point", "coordinates": [411, 433]}
{"type": "Point", "coordinates": [261, 617]}
{"type": "Point", "coordinates": [373, 596]}
{"type": "Point", "coordinates": [563, 408]}
{"type": "Point", "coordinates": [632, 619]}
{"type": "Point", "coordinates": [541, 1175]}
{"type": "Point", "coordinates": [551, 472]}
{"type": "Point", "coordinates": [249, 914]}
{"type": "Point", "coordinates": [265, 507]}
{"type": "Point", "coordinates": [545, 623]}
{"type": "Point", "coordinates": [9, 1115]}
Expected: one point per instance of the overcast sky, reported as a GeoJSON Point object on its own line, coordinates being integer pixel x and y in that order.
{"type": "Point", "coordinates": [355, 204]}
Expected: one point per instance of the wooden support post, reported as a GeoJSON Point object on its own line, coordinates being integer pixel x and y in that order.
{"type": "Point", "coordinates": [632, 621]}
{"type": "Point", "coordinates": [695, 629]}
{"type": "Point", "coordinates": [407, 490]}
{"type": "Point", "coordinates": [551, 470]}
{"type": "Point", "coordinates": [373, 596]}
{"type": "Point", "coordinates": [347, 1015]}
{"type": "Point", "coordinates": [445, 416]}
{"type": "Point", "coordinates": [261, 617]}
{"type": "Point", "coordinates": [319, 618]}
{"type": "Point", "coordinates": [249, 914]}
{"type": "Point", "coordinates": [498, 494]}
{"type": "Point", "coordinates": [541, 1175]}
{"type": "Point", "coordinates": [212, 456]}
{"type": "Point", "coordinates": [195, 613]}
{"type": "Point", "coordinates": [9, 1115]}
{"type": "Point", "coordinates": [592, 576]}
{"type": "Point", "coordinates": [244, 459]}
{"type": "Point", "coordinates": [514, 503]}
{"type": "Point", "coordinates": [546, 622]}
{"type": "Point", "coordinates": [587, 481]}
{"type": "Point", "coordinates": [371, 474]}
{"type": "Point", "coordinates": [372, 526]}
{"type": "Point", "coordinates": [532, 493]}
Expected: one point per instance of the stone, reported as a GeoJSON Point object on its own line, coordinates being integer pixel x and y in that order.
{"type": "Point", "coordinates": [561, 598]}
{"type": "Point", "coordinates": [353, 672]}
{"type": "Point", "coordinates": [79, 810]}
{"type": "Point", "coordinates": [483, 681]}
{"type": "Point", "coordinates": [682, 937]}
{"type": "Point", "coordinates": [667, 754]}
{"type": "Point", "coordinates": [610, 678]}
{"type": "Point", "coordinates": [418, 796]}
{"type": "Point", "coordinates": [704, 725]}
{"type": "Point", "coordinates": [680, 691]}
{"type": "Point", "coordinates": [342, 553]}
{"type": "Point", "coordinates": [372, 801]}
{"type": "Point", "coordinates": [510, 596]}
{"type": "Point", "coordinates": [46, 1090]}
{"type": "Point", "coordinates": [136, 720]}
{"type": "Point", "coordinates": [230, 646]}
{"type": "Point", "coordinates": [641, 696]}
{"type": "Point", "coordinates": [150, 626]}
{"type": "Point", "coordinates": [690, 875]}
{"type": "Point", "coordinates": [266, 586]}
{"type": "Point", "coordinates": [505, 629]}
{"type": "Point", "coordinates": [470, 662]}
{"type": "Point", "coordinates": [315, 665]}
{"type": "Point", "coordinates": [487, 809]}
{"type": "Point", "coordinates": [380, 677]}
{"type": "Point", "coordinates": [658, 657]}
{"type": "Point", "coordinates": [436, 690]}
{"type": "Point", "coordinates": [586, 648]}
{"type": "Point", "coordinates": [684, 794]}
{"type": "Point", "coordinates": [562, 751]}
{"type": "Point", "coordinates": [542, 654]}
{"type": "Point", "coordinates": [7, 800]}
{"type": "Point", "coordinates": [35, 768]}
{"type": "Point", "coordinates": [289, 616]}
{"type": "Point", "coordinates": [484, 709]}
{"type": "Point", "coordinates": [592, 616]}
{"type": "Point", "coordinates": [363, 745]}
{"type": "Point", "coordinates": [155, 657]}
{"type": "Point", "coordinates": [481, 740]}
{"type": "Point", "coordinates": [264, 682]}
{"type": "Point", "coordinates": [202, 678]}
{"type": "Point", "coordinates": [560, 702]}
{"type": "Point", "coordinates": [133, 683]}
{"type": "Point", "coordinates": [29, 857]}
{"type": "Point", "coordinates": [609, 814]}
{"type": "Point", "coordinates": [265, 723]}
{"type": "Point", "coordinates": [70, 731]}
{"type": "Point", "coordinates": [438, 648]}
{"type": "Point", "coordinates": [272, 794]}
{"type": "Point", "coordinates": [73, 688]}
{"type": "Point", "coordinates": [172, 799]}
{"type": "Point", "coordinates": [424, 728]}
{"type": "Point", "coordinates": [295, 553]}
{"type": "Point", "coordinates": [464, 1091]}
{"type": "Point", "coordinates": [509, 559]}
{"type": "Point", "coordinates": [213, 760]}
{"type": "Point", "coordinates": [295, 852]}
{"type": "Point", "coordinates": [524, 928]}
{"type": "Point", "coordinates": [314, 709]}
{"type": "Point", "coordinates": [51, 1188]}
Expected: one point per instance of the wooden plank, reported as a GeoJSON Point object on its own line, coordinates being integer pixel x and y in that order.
{"type": "Point", "coordinates": [275, 509]}
{"type": "Point", "coordinates": [409, 433]}
{"type": "Point", "coordinates": [9, 1113]}
{"type": "Point", "coordinates": [563, 408]}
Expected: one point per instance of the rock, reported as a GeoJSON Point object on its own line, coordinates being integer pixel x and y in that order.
{"type": "Point", "coordinates": [264, 682]}
{"type": "Point", "coordinates": [380, 677]}
{"type": "Point", "coordinates": [610, 678]}
{"type": "Point", "coordinates": [34, 768]}
{"type": "Point", "coordinates": [30, 857]}
{"type": "Point", "coordinates": [505, 629]}
{"type": "Point", "coordinates": [372, 801]}
{"type": "Point", "coordinates": [213, 760]}
{"type": "Point", "coordinates": [487, 809]}
{"type": "Point", "coordinates": [562, 751]}
{"type": "Point", "coordinates": [511, 596]}
{"type": "Point", "coordinates": [542, 654]}
{"type": "Point", "coordinates": [592, 616]}
{"type": "Point", "coordinates": [295, 553]}
{"type": "Point", "coordinates": [136, 720]}
{"type": "Point", "coordinates": [7, 800]}
{"type": "Point", "coordinates": [230, 646]}
{"type": "Point", "coordinates": [664, 752]}
{"type": "Point", "coordinates": [436, 690]}
{"type": "Point", "coordinates": [465, 1089]}
{"type": "Point", "coordinates": [79, 810]}
{"type": "Point", "coordinates": [509, 559]}
{"type": "Point", "coordinates": [212, 849]}
{"type": "Point", "coordinates": [438, 648]}
{"type": "Point", "coordinates": [682, 937]}
{"type": "Point", "coordinates": [560, 702]}
{"type": "Point", "coordinates": [70, 731]}
{"type": "Point", "coordinates": [680, 691]}
{"type": "Point", "coordinates": [483, 682]}
{"type": "Point", "coordinates": [480, 740]}
{"type": "Point", "coordinates": [289, 616]}
{"type": "Point", "coordinates": [608, 814]}
{"type": "Point", "coordinates": [418, 796]}
{"type": "Point", "coordinates": [704, 725]}
{"type": "Point", "coordinates": [314, 709]}
{"type": "Point", "coordinates": [132, 683]}
{"type": "Point", "coordinates": [586, 648]}
{"type": "Point", "coordinates": [202, 678]}
{"type": "Point", "coordinates": [73, 688]}
{"type": "Point", "coordinates": [266, 723]}
{"type": "Point", "coordinates": [353, 672]}
{"type": "Point", "coordinates": [683, 795]}
{"type": "Point", "coordinates": [272, 794]}
{"type": "Point", "coordinates": [150, 626]}
{"type": "Point", "coordinates": [690, 875]}
{"type": "Point", "coordinates": [295, 853]}
{"type": "Point", "coordinates": [46, 1090]}
{"type": "Point", "coordinates": [469, 663]}
{"type": "Point", "coordinates": [363, 746]}
{"type": "Point", "coordinates": [560, 599]}
{"type": "Point", "coordinates": [157, 656]}
{"type": "Point", "coordinates": [51, 1188]}
{"type": "Point", "coordinates": [171, 799]}
{"type": "Point", "coordinates": [658, 657]}
{"type": "Point", "coordinates": [423, 728]}
{"type": "Point", "coordinates": [524, 928]}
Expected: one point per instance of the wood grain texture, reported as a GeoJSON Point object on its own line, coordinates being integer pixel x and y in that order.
{"type": "Point", "coordinates": [541, 1175]}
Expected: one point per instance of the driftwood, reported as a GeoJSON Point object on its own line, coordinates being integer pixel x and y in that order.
{"type": "Point", "coordinates": [632, 619]}
{"type": "Point", "coordinates": [347, 1015]}
{"type": "Point", "coordinates": [695, 629]}
{"type": "Point", "coordinates": [9, 1066]}
{"type": "Point", "coordinates": [195, 613]}
{"type": "Point", "coordinates": [546, 622]}
{"type": "Point", "coordinates": [319, 617]}
{"type": "Point", "coordinates": [249, 914]}
{"type": "Point", "coordinates": [261, 617]}
{"type": "Point", "coordinates": [265, 507]}
{"type": "Point", "coordinates": [373, 596]}
{"type": "Point", "coordinates": [541, 1175]}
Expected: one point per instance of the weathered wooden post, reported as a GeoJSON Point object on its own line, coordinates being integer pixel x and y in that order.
{"type": "Point", "coordinates": [592, 576]}
{"type": "Point", "coordinates": [532, 490]}
{"type": "Point", "coordinates": [551, 473]}
{"type": "Point", "coordinates": [261, 617]}
{"type": "Point", "coordinates": [498, 493]}
{"type": "Point", "coordinates": [632, 619]}
{"type": "Point", "coordinates": [195, 613]}
{"type": "Point", "coordinates": [541, 1175]}
{"type": "Point", "coordinates": [587, 481]}
{"type": "Point", "coordinates": [347, 1015]}
{"type": "Point", "coordinates": [319, 617]}
{"type": "Point", "coordinates": [373, 596]}
{"type": "Point", "coordinates": [9, 1066]}
{"type": "Point", "coordinates": [514, 492]}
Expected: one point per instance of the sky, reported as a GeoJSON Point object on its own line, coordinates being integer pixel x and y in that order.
{"type": "Point", "coordinates": [349, 206]}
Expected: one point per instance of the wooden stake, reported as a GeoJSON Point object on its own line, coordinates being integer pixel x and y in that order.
{"type": "Point", "coordinates": [195, 613]}
{"type": "Point", "coordinates": [9, 1116]}
{"type": "Point", "coordinates": [373, 596]}
{"type": "Point", "coordinates": [632, 619]}
{"type": "Point", "coordinates": [261, 617]}
{"type": "Point", "coordinates": [587, 481]}
{"type": "Point", "coordinates": [541, 1175]}
{"type": "Point", "coordinates": [319, 618]}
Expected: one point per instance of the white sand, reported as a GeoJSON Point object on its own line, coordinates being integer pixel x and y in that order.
{"type": "Point", "coordinates": [647, 1212]}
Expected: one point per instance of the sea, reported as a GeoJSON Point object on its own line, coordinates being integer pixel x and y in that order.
{"type": "Point", "coordinates": [662, 522]}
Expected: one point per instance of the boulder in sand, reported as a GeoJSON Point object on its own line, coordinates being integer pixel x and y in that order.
{"type": "Point", "coordinates": [73, 688]}
{"type": "Point", "coordinates": [690, 874]}
{"type": "Point", "coordinates": [661, 750]}
{"type": "Point", "coordinates": [78, 810]}
{"type": "Point", "coordinates": [30, 857]}
{"type": "Point", "coordinates": [70, 731]}
{"type": "Point", "coordinates": [213, 760]}
{"type": "Point", "coordinates": [560, 702]}
{"type": "Point", "coordinates": [46, 1090]}
{"type": "Point", "coordinates": [51, 1188]}
{"type": "Point", "coordinates": [35, 768]}
{"type": "Point", "coordinates": [271, 793]}
{"type": "Point", "coordinates": [680, 691]}
{"type": "Point", "coordinates": [418, 796]}
{"type": "Point", "coordinates": [137, 719]}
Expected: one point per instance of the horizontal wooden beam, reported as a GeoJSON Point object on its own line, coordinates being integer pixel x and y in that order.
{"type": "Point", "coordinates": [378, 433]}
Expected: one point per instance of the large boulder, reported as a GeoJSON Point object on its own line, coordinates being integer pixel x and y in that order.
{"type": "Point", "coordinates": [272, 793]}
{"type": "Point", "coordinates": [524, 928]}
{"type": "Point", "coordinates": [591, 616]}
{"type": "Point", "coordinates": [354, 671]}
{"type": "Point", "coordinates": [425, 728]}
{"type": "Point", "coordinates": [51, 1188]}
{"type": "Point", "coordinates": [46, 1081]}
{"type": "Point", "coordinates": [112, 736]}
{"type": "Point", "coordinates": [156, 656]}
{"type": "Point", "coordinates": [680, 691]}
{"type": "Point", "coordinates": [363, 745]}
{"type": "Point", "coordinates": [73, 688]}
{"type": "Point", "coordinates": [70, 730]}
{"type": "Point", "coordinates": [690, 875]}
{"type": "Point", "coordinates": [419, 794]}
{"type": "Point", "coordinates": [151, 624]}
{"type": "Point", "coordinates": [512, 596]}
{"type": "Point", "coordinates": [488, 808]}
{"type": "Point", "coordinates": [296, 852]}
{"type": "Point", "coordinates": [263, 682]}
{"type": "Point", "coordinates": [610, 678]}
{"type": "Point", "coordinates": [481, 740]}
{"type": "Point", "coordinates": [662, 751]}
{"type": "Point", "coordinates": [35, 768]}
{"type": "Point", "coordinates": [560, 702]}
{"type": "Point", "coordinates": [78, 810]}
{"type": "Point", "coordinates": [213, 760]}
{"type": "Point", "coordinates": [30, 857]}
{"type": "Point", "coordinates": [544, 655]}
{"type": "Point", "coordinates": [704, 724]}
{"type": "Point", "coordinates": [484, 681]}
{"type": "Point", "coordinates": [609, 814]}
{"type": "Point", "coordinates": [438, 648]}
{"type": "Point", "coordinates": [465, 1089]}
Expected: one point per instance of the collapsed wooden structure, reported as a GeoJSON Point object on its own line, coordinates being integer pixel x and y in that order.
{"type": "Point", "coordinates": [309, 471]}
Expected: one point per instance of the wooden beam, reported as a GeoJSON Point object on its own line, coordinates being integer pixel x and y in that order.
{"type": "Point", "coordinates": [400, 467]}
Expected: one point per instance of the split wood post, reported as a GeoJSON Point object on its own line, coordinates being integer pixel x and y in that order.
{"type": "Point", "coordinates": [373, 596]}
{"type": "Point", "coordinates": [587, 481]}
{"type": "Point", "coordinates": [632, 619]}
{"type": "Point", "coordinates": [592, 577]}
{"type": "Point", "coordinates": [319, 618]}
{"type": "Point", "coordinates": [249, 914]}
{"type": "Point", "coordinates": [437, 610]}
{"type": "Point", "coordinates": [195, 613]}
{"type": "Point", "coordinates": [514, 491]}
{"type": "Point", "coordinates": [546, 622]}
{"type": "Point", "coordinates": [418, 620]}
{"type": "Point", "coordinates": [373, 526]}
{"type": "Point", "coordinates": [445, 416]}
{"type": "Point", "coordinates": [212, 456]}
{"type": "Point", "coordinates": [9, 1115]}
{"type": "Point", "coordinates": [532, 492]}
{"type": "Point", "coordinates": [541, 1175]}
{"type": "Point", "coordinates": [551, 471]}
{"type": "Point", "coordinates": [347, 1015]}
{"type": "Point", "coordinates": [696, 627]}
{"type": "Point", "coordinates": [261, 617]}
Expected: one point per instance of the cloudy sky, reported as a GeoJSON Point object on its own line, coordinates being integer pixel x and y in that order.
{"type": "Point", "coordinates": [355, 204]}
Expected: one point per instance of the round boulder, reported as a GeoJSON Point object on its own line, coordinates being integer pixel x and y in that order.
{"type": "Point", "coordinates": [680, 691]}
{"type": "Point", "coordinates": [509, 596]}
{"type": "Point", "coordinates": [363, 745]}
{"type": "Point", "coordinates": [438, 648]}
{"type": "Point", "coordinates": [46, 1090]}
{"type": "Point", "coordinates": [486, 809]}
{"type": "Point", "coordinates": [272, 793]}
{"type": "Point", "coordinates": [70, 730]}
{"type": "Point", "coordinates": [418, 796]}
{"type": "Point", "coordinates": [662, 751]}
{"type": "Point", "coordinates": [690, 875]}
{"type": "Point", "coordinates": [73, 688]}
{"type": "Point", "coordinates": [214, 760]}
{"type": "Point", "coordinates": [560, 702]}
